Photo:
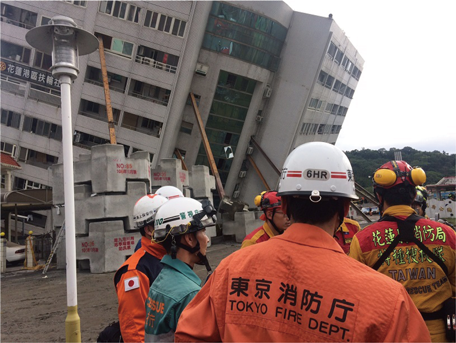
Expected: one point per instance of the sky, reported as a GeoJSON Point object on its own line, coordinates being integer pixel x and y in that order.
{"type": "Point", "coordinates": [406, 91]}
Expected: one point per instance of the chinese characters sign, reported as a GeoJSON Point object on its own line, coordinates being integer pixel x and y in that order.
{"type": "Point", "coordinates": [24, 72]}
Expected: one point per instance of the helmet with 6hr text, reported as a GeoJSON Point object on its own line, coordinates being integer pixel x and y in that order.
{"type": "Point", "coordinates": [169, 192]}
{"type": "Point", "coordinates": [395, 173]}
{"type": "Point", "coordinates": [145, 209]}
{"type": "Point", "coordinates": [183, 215]}
{"type": "Point", "coordinates": [319, 170]}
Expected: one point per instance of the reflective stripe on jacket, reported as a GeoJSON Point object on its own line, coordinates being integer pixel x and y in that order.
{"type": "Point", "coordinates": [132, 281]}
{"type": "Point", "coordinates": [299, 286]}
{"type": "Point", "coordinates": [261, 234]}
{"type": "Point", "coordinates": [424, 279]}
{"type": "Point", "coordinates": [345, 233]}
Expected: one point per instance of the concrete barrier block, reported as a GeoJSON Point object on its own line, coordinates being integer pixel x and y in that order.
{"type": "Point", "coordinates": [246, 223]}
{"type": "Point", "coordinates": [201, 182]}
{"type": "Point", "coordinates": [108, 165]}
{"type": "Point", "coordinates": [82, 171]}
{"type": "Point", "coordinates": [58, 196]}
{"type": "Point", "coordinates": [169, 173]}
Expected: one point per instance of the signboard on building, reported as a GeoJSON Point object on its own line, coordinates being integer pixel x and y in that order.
{"type": "Point", "coordinates": [27, 73]}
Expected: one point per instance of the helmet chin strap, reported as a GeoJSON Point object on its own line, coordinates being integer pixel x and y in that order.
{"type": "Point", "coordinates": [202, 258]}
{"type": "Point", "coordinates": [273, 224]}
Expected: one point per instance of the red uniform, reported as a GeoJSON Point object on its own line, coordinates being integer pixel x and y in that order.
{"type": "Point", "coordinates": [132, 281]}
{"type": "Point", "coordinates": [424, 279]}
{"type": "Point", "coordinates": [261, 234]}
{"type": "Point", "coordinates": [299, 286]}
{"type": "Point", "coordinates": [345, 233]}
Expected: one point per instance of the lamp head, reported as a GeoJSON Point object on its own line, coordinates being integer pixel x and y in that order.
{"type": "Point", "coordinates": [62, 39]}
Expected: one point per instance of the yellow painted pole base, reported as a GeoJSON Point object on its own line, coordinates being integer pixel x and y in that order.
{"type": "Point", "coordinates": [73, 325]}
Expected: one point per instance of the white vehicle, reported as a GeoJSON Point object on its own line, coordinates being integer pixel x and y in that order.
{"type": "Point", "coordinates": [14, 252]}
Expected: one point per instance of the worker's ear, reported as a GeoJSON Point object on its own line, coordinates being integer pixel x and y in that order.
{"type": "Point", "coordinates": [149, 230]}
{"type": "Point", "coordinates": [269, 215]}
{"type": "Point", "coordinates": [189, 239]}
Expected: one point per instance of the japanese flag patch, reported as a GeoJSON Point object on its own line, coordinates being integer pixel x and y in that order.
{"type": "Point", "coordinates": [131, 283]}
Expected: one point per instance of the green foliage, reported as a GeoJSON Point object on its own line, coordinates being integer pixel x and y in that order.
{"type": "Point", "coordinates": [436, 164]}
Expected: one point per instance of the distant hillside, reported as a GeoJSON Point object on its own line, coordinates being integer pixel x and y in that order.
{"type": "Point", "coordinates": [436, 164]}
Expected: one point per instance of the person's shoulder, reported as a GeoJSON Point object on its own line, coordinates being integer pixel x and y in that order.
{"type": "Point", "coordinates": [253, 233]}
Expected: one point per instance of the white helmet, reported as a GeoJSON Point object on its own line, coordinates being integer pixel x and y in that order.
{"type": "Point", "coordinates": [169, 192]}
{"type": "Point", "coordinates": [145, 209]}
{"type": "Point", "coordinates": [317, 169]}
{"type": "Point", "coordinates": [183, 215]}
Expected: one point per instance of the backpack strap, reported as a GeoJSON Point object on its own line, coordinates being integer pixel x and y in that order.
{"type": "Point", "coordinates": [407, 234]}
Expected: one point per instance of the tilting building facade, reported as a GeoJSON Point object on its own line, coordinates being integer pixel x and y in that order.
{"type": "Point", "coordinates": [266, 79]}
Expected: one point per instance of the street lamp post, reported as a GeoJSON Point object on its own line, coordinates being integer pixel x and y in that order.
{"type": "Point", "coordinates": [65, 41]}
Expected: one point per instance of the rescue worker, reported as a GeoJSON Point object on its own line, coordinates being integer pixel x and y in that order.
{"type": "Point", "coordinates": [134, 278]}
{"type": "Point", "coordinates": [300, 286]}
{"type": "Point", "coordinates": [420, 202]}
{"type": "Point", "coordinates": [169, 192]}
{"type": "Point", "coordinates": [424, 261]}
{"type": "Point", "coordinates": [344, 233]}
{"type": "Point", "coordinates": [180, 227]}
{"type": "Point", "coordinates": [275, 221]}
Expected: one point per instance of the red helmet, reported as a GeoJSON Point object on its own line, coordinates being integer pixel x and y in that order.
{"type": "Point", "coordinates": [268, 200]}
{"type": "Point", "coordinates": [394, 173]}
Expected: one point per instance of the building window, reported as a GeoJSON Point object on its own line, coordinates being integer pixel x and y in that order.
{"type": "Point", "coordinates": [15, 52]}
{"type": "Point", "coordinates": [36, 158]}
{"type": "Point", "coordinates": [186, 127]}
{"type": "Point", "coordinates": [164, 23]}
{"type": "Point", "coordinates": [86, 141]}
{"type": "Point", "coordinates": [9, 149]}
{"type": "Point", "coordinates": [329, 82]}
{"type": "Point", "coordinates": [18, 17]}
{"type": "Point", "coordinates": [315, 103]}
{"type": "Point", "coordinates": [77, 3]}
{"type": "Point", "coordinates": [116, 82]}
{"type": "Point", "coordinates": [97, 111]}
{"type": "Point", "coordinates": [20, 183]}
{"type": "Point", "coordinates": [141, 124]}
{"type": "Point", "coordinates": [44, 20]}
{"type": "Point", "coordinates": [42, 60]}
{"type": "Point", "coordinates": [157, 59]}
{"type": "Point", "coordinates": [11, 119]}
{"type": "Point", "coordinates": [42, 128]}
{"type": "Point", "coordinates": [149, 92]}
{"type": "Point", "coordinates": [116, 45]}
{"type": "Point", "coordinates": [120, 9]}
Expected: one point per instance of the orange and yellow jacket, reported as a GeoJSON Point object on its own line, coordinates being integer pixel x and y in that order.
{"type": "Point", "coordinates": [261, 234]}
{"type": "Point", "coordinates": [344, 234]}
{"type": "Point", "coordinates": [424, 280]}
{"type": "Point", "coordinates": [299, 286]}
{"type": "Point", "coordinates": [132, 281]}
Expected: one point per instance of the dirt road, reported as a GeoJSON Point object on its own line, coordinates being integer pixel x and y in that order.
{"type": "Point", "coordinates": [34, 309]}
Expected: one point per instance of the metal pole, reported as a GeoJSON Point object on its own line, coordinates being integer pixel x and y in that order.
{"type": "Point", "coordinates": [72, 322]}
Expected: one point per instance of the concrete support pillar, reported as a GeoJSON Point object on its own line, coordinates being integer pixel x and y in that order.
{"type": "Point", "coordinates": [29, 253]}
{"type": "Point", "coordinates": [2, 253]}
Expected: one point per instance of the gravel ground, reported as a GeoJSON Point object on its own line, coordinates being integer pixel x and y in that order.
{"type": "Point", "coordinates": [34, 308]}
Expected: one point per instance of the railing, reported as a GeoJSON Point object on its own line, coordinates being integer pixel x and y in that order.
{"type": "Point", "coordinates": [155, 64]}
{"type": "Point", "coordinates": [151, 132]}
{"type": "Point", "coordinates": [44, 94]}
{"type": "Point", "coordinates": [148, 98]}
{"type": "Point", "coordinates": [12, 85]}
{"type": "Point", "coordinates": [100, 83]}
{"type": "Point", "coordinates": [17, 23]}
{"type": "Point", "coordinates": [96, 115]}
